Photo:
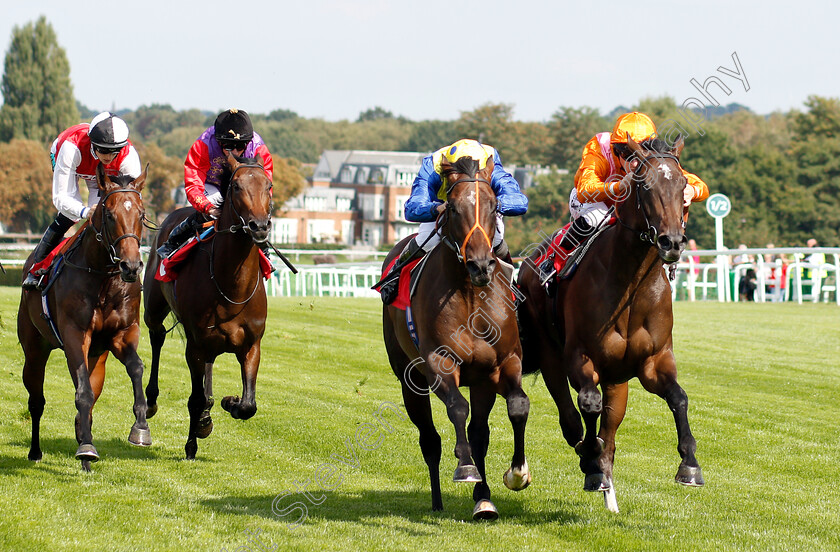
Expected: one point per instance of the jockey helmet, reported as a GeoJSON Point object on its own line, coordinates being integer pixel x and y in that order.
{"type": "Point", "coordinates": [636, 125]}
{"type": "Point", "coordinates": [107, 131]}
{"type": "Point", "coordinates": [468, 148]}
{"type": "Point", "coordinates": [233, 125]}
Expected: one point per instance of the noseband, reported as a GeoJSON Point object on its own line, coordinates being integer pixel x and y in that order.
{"type": "Point", "coordinates": [650, 233]}
{"type": "Point", "coordinates": [461, 251]}
{"type": "Point", "coordinates": [104, 237]}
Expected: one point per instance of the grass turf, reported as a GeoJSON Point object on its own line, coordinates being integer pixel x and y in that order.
{"type": "Point", "coordinates": [763, 387]}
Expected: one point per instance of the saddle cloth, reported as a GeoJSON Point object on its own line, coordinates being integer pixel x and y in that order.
{"type": "Point", "coordinates": [168, 268]}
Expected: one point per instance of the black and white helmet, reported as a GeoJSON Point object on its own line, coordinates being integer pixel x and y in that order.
{"type": "Point", "coordinates": [108, 131]}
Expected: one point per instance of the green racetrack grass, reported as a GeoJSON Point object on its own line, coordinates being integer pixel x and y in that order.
{"type": "Point", "coordinates": [764, 404]}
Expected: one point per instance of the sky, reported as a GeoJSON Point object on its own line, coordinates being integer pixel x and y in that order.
{"type": "Point", "coordinates": [434, 59]}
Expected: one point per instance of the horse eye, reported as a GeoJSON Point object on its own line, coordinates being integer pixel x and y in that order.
{"type": "Point", "coordinates": [110, 215]}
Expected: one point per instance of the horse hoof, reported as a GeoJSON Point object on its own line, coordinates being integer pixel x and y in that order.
{"type": "Point", "coordinates": [151, 410]}
{"type": "Point", "coordinates": [485, 511]}
{"type": "Point", "coordinates": [140, 437]}
{"type": "Point", "coordinates": [466, 474]}
{"type": "Point", "coordinates": [190, 449]}
{"type": "Point", "coordinates": [35, 455]}
{"type": "Point", "coordinates": [205, 427]}
{"type": "Point", "coordinates": [689, 476]}
{"type": "Point", "coordinates": [229, 402]}
{"type": "Point", "coordinates": [87, 452]}
{"type": "Point", "coordinates": [596, 482]}
{"type": "Point", "coordinates": [518, 479]}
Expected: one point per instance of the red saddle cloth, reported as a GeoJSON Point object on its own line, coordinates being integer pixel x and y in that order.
{"type": "Point", "coordinates": [168, 268]}
{"type": "Point", "coordinates": [48, 260]}
{"type": "Point", "coordinates": [403, 300]}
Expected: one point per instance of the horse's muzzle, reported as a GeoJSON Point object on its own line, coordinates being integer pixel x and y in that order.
{"type": "Point", "coordinates": [671, 246]}
{"type": "Point", "coordinates": [259, 230]}
{"type": "Point", "coordinates": [130, 270]}
{"type": "Point", "coordinates": [481, 271]}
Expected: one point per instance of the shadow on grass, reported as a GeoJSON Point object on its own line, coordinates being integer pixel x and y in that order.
{"type": "Point", "coordinates": [368, 507]}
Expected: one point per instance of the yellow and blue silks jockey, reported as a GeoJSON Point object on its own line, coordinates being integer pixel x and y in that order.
{"type": "Point", "coordinates": [428, 197]}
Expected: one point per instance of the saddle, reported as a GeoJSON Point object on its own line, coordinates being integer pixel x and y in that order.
{"type": "Point", "coordinates": [54, 257]}
{"type": "Point", "coordinates": [555, 264]}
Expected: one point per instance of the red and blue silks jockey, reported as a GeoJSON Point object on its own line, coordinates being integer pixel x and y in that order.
{"type": "Point", "coordinates": [203, 170]}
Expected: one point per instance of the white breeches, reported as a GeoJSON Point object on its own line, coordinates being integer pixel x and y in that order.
{"type": "Point", "coordinates": [593, 213]}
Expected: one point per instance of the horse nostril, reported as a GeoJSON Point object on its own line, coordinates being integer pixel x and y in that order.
{"type": "Point", "coordinates": [664, 243]}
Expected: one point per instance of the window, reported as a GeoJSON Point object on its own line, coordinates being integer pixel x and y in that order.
{"type": "Point", "coordinates": [362, 175]}
{"type": "Point", "coordinates": [377, 176]}
{"type": "Point", "coordinates": [346, 175]}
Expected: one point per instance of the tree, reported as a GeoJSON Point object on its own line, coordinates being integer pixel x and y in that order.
{"type": "Point", "coordinates": [37, 93]}
{"type": "Point", "coordinates": [25, 186]}
{"type": "Point", "coordinates": [374, 114]}
{"type": "Point", "coordinates": [570, 129]}
{"type": "Point", "coordinates": [287, 180]}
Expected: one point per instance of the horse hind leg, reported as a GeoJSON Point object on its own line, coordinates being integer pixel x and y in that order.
{"type": "Point", "coordinates": [205, 422]}
{"type": "Point", "coordinates": [33, 379]}
{"type": "Point", "coordinates": [591, 447]}
{"type": "Point", "coordinates": [419, 408]}
{"type": "Point", "coordinates": [196, 402]}
{"type": "Point", "coordinates": [155, 311]}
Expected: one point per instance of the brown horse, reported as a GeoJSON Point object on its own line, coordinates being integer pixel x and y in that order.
{"type": "Point", "coordinates": [467, 336]}
{"type": "Point", "coordinates": [612, 321]}
{"type": "Point", "coordinates": [218, 296]}
{"type": "Point", "coordinates": [93, 312]}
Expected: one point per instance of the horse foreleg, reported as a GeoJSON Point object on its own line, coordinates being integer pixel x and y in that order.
{"type": "Point", "coordinates": [441, 379]}
{"type": "Point", "coordinates": [518, 476]}
{"type": "Point", "coordinates": [35, 361]}
{"type": "Point", "coordinates": [195, 404]}
{"type": "Point", "coordinates": [584, 379]}
{"type": "Point", "coordinates": [125, 349]}
{"type": "Point", "coordinates": [154, 314]}
{"type": "Point", "coordinates": [246, 407]}
{"type": "Point", "coordinates": [659, 376]}
{"type": "Point", "coordinates": [77, 364]}
{"type": "Point", "coordinates": [482, 399]}
{"type": "Point", "coordinates": [615, 406]}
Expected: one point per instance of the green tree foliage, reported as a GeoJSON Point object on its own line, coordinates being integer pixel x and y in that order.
{"type": "Point", "coordinates": [25, 186]}
{"type": "Point", "coordinates": [287, 180]}
{"type": "Point", "coordinates": [570, 129]}
{"type": "Point", "coordinates": [37, 93]}
{"type": "Point", "coordinates": [374, 114]}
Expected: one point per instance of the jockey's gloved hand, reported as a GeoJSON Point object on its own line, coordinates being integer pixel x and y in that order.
{"type": "Point", "coordinates": [214, 213]}
{"type": "Point", "coordinates": [88, 214]}
{"type": "Point", "coordinates": [216, 199]}
{"type": "Point", "coordinates": [441, 208]}
{"type": "Point", "coordinates": [688, 195]}
{"type": "Point", "coordinates": [618, 190]}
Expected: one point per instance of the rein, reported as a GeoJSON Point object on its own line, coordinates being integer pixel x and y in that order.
{"type": "Point", "coordinates": [651, 232]}
{"type": "Point", "coordinates": [461, 251]}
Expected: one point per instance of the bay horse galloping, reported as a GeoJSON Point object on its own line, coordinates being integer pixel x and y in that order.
{"type": "Point", "coordinates": [91, 312]}
{"type": "Point", "coordinates": [218, 296]}
{"type": "Point", "coordinates": [467, 335]}
{"type": "Point", "coordinates": [612, 321]}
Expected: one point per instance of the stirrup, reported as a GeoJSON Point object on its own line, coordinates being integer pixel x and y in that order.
{"type": "Point", "coordinates": [33, 282]}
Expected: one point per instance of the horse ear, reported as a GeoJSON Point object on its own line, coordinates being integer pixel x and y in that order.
{"type": "Point", "coordinates": [101, 178]}
{"type": "Point", "coordinates": [259, 159]}
{"type": "Point", "coordinates": [634, 147]}
{"type": "Point", "coordinates": [140, 181]}
{"type": "Point", "coordinates": [231, 161]}
{"type": "Point", "coordinates": [678, 147]}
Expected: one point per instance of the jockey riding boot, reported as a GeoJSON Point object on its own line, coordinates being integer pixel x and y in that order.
{"type": "Point", "coordinates": [49, 242]}
{"type": "Point", "coordinates": [390, 289]}
{"type": "Point", "coordinates": [578, 233]}
{"type": "Point", "coordinates": [180, 234]}
{"type": "Point", "coordinates": [502, 252]}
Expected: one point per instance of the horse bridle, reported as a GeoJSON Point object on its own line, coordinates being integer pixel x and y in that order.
{"type": "Point", "coordinates": [650, 234]}
{"type": "Point", "coordinates": [460, 251]}
{"type": "Point", "coordinates": [104, 237]}
{"type": "Point", "coordinates": [233, 228]}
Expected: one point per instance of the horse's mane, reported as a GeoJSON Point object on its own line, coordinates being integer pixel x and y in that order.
{"type": "Point", "coordinates": [464, 165]}
{"type": "Point", "coordinates": [122, 180]}
{"type": "Point", "coordinates": [656, 145]}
